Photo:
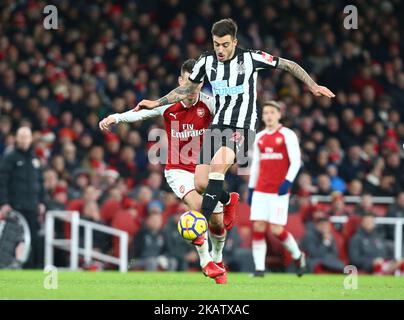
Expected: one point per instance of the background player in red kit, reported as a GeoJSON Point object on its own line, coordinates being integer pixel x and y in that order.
{"type": "Point", "coordinates": [185, 123]}
{"type": "Point", "coordinates": [275, 164]}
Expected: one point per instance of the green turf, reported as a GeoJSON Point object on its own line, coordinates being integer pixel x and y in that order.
{"type": "Point", "coordinates": [163, 285]}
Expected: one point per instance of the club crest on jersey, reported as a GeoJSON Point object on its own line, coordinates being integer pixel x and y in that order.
{"type": "Point", "coordinates": [278, 140]}
{"type": "Point", "coordinates": [200, 112]}
{"type": "Point", "coordinates": [240, 67]}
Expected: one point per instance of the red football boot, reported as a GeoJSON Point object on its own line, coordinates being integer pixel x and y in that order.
{"type": "Point", "coordinates": [212, 270]}
{"type": "Point", "coordinates": [229, 211]}
{"type": "Point", "coordinates": [222, 279]}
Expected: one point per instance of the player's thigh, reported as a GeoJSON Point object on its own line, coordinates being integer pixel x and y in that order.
{"type": "Point", "coordinates": [194, 200]}
{"type": "Point", "coordinates": [201, 177]}
{"type": "Point", "coordinates": [217, 148]}
{"type": "Point", "coordinates": [260, 206]}
{"type": "Point", "coordinates": [222, 160]}
{"type": "Point", "coordinates": [259, 226]}
{"type": "Point", "coordinates": [180, 181]}
{"type": "Point", "coordinates": [276, 229]}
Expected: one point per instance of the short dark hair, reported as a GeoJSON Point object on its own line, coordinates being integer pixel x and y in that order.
{"type": "Point", "coordinates": [271, 103]}
{"type": "Point", "coordinates": [224, 27]}
{"type": "Point", "coordinates": [187, 66]}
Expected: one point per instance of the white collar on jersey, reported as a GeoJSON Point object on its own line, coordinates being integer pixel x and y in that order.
{"type": "Point", "coordinates": [196, 101]}
{"type": "Point", "coordinates": [273, 131]}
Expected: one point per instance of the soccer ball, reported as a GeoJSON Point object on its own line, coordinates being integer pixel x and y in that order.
{"type": "Point", "coordinates": [192, 224]}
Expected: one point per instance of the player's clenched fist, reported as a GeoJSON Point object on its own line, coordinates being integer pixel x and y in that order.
{"type": "Point", "coordinates": [105, 124]}
{"type": "Point", "coordinates": [146, 104]}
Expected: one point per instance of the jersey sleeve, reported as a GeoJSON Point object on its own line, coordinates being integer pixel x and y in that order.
{"type": "Point", "coordinates": [263, 60]}
{"type": "Point", "coordinates": [199, 70]}
{"type": "Point", "coordinates": [293, 149]}
{"type": "Point", "coordinates": [209, 101]}
{"type": "Point", "coordinates": [255, 167]}
{"type": "Point", "coordinates": [133, 116]}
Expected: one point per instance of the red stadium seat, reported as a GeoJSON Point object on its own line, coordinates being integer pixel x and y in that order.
{"type": "Point", "coordinates": [351, 226]}
{"type": "Point", "coordinates": [295, 226]}
{"type": "Point", "coordinates": [72, 205]}
{"type": "Point", "coordinates": [244, 225]}
{"type": "Point", "coordinates": [380, 210]}
{"type": "Point", "coordinates": [170, 211]}
{"type": "Point", "coordinates": [123, 220]}
{"type": "Point", "coordinates": [245, 234]}
{"type": "Point", "coordinates": [341, 245]}
{"type": "Point", "coordinates": [243, 215]}
{"type": "Point", "coordinates": [75, 205]}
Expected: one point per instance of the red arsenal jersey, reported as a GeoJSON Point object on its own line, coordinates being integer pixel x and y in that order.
{"type": "Point", "coordinates": [276, 157]}
{"type": "Point", "coordinates": [184, 127]}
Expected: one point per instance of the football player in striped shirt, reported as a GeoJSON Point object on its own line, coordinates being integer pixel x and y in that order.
{"type": "Point", "coordinates": [232, 72]}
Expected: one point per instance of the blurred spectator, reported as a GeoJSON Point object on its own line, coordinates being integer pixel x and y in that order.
{"type": "Point", "coordinates": [320, 246]}
{"type": "Point", "coordinates": [81, 179]}
{"type": "Point", "coordinates": [338, 208]}
{"type": "Point", "coordinates": [369, 251]}
{"type": "Point", "coordinates": [305, 184]}
{"type": "Point", "coordinates": [365, 206]}
{"type": "Point", "coordinates": [337, 183]}
{"type": "Point", "coordinates": [324, 185]}
{"type": "Point", "coordinates": [355, 188]}
{"type": "Point", "coordinates": [352, 166]}
{"type": "Point", "coordinates": [150, 246]}
{"type": "Point", "coordinates": [91, 212]}
{"type": "Point", "coordinates": [396, 210]}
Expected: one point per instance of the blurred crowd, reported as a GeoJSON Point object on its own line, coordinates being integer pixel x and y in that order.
{"type": "Point", "coordinates": [107, 55]}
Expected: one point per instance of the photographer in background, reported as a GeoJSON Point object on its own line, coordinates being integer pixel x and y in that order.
{"type": "Point", "coordinates": [21, 189]}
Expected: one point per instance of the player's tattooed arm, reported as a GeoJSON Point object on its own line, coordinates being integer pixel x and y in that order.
{"type": "Point", "coordinates": [178, 94]}
{"type": "Point", "coordinates": [301, 74]}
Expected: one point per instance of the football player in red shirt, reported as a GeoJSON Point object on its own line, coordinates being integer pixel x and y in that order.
{"type": "Point", "coordinates": [185, 122]}
{"type": "Point", "coordinates": [275, 164]}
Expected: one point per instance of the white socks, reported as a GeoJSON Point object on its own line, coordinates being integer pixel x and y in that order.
{"type": "Point", "coordinates": [203, 252]}
{"type": "Point", "coordinates": [217, 246]}
{"type": "Point", "coordinates": [291, 245]}
{"type": "Point", "coordinates": [259, 249]}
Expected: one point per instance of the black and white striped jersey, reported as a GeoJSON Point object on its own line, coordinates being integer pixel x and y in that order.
{"type": "Point", "coordinates": [234, 84]}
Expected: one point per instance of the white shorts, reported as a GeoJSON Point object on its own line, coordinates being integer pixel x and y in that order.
{"type": "Point", "coordinates": [182, 182]}
{"type": "Point", "coordinates": [270, 207]}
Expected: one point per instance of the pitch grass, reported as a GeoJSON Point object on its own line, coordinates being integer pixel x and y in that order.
{"type": "Point", "coordinates": [29, 284]}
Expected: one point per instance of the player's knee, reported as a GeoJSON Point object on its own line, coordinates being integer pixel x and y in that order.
{"type": "Point", "coordinates": [200, 184]}
{"type": "Point", "coordinates": [218, 167]}
{"type": "Point", "coordinates": [216, 223]}
{"type": "Point", "coordinates": [276, 229]}
{"type": "Point", "coordinates": [259, 226]}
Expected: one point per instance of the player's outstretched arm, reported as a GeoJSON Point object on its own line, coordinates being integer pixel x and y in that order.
{"type": "Point", "coordinates": [178, 94]}
{"type": "Point", "coordinates": [301, 74]}
{"type": "Point", "coordinates": [130, 116]}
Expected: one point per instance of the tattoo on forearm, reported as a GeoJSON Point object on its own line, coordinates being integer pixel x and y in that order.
{"type": "Point", "coordinates": [178, 94]}
{"type": "Point", "coordinates": [296, 70]}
